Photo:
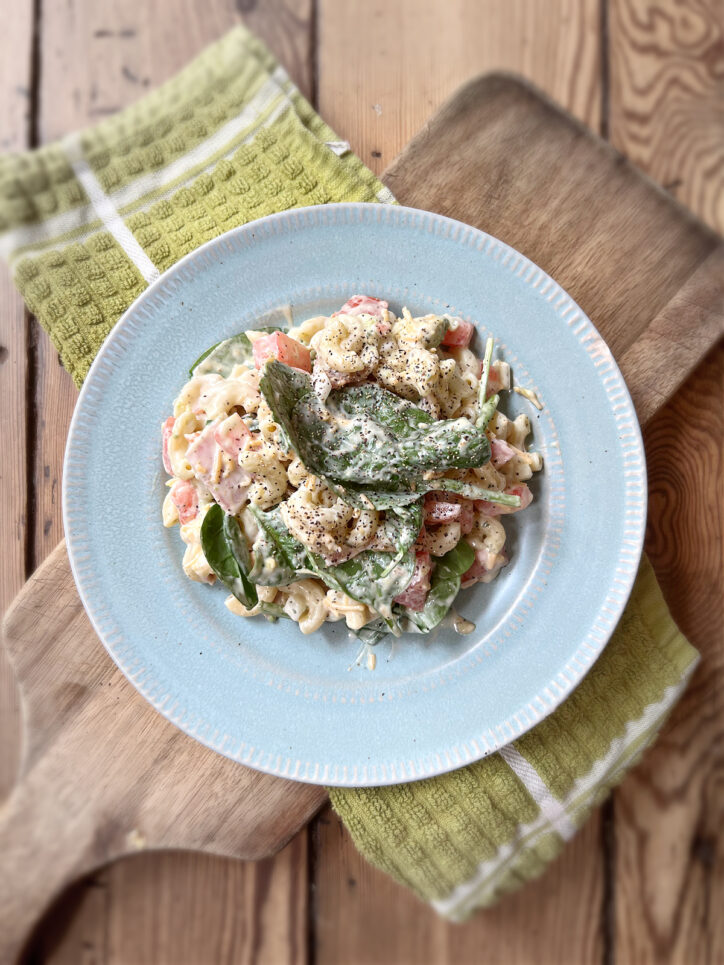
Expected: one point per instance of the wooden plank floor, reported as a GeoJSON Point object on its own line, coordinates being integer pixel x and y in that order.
{"type": "Point", "coordinates": [644, 881]}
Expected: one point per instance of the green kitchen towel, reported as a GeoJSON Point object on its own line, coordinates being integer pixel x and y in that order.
{"type": "Point", "coordinates": [87, 223]}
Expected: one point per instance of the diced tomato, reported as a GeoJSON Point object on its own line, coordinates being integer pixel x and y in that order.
{"type": "Point", "coordinates": [229, 489]}
{"type": "Point", "coordinates": [498, 376]}
{"type": "Point", "coordinates": [500, 452]}
{"type": "Point", "coordinates": [166, 430]}
{"type": "Point", "coordinates": [460, 336]}
{"type": "Point", "coordinates": [186, 500]}
{"type": "Point", "coordinates": [280, 346]}
{"type": "Point", "coordinates": [363, 305]}
{"type": "Point", "coordinates": [495, 509]}
{"type": "Point", "coordinates": [415, 594]}
{"type": "Point", "coordinates": [232, 435]}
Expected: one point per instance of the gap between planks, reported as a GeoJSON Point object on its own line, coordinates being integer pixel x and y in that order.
{"type": "Point", "coordinates": [105, 55]}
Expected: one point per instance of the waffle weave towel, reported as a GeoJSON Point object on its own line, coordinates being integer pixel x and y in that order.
{"type": "Point", "coordinates": [87, 223]}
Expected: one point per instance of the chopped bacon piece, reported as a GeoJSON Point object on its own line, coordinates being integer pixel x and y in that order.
{"type": "Point", "coordinates": [232, 435]}
{"type": "Point", "coordinates": [280, 346]}
{"type": "Point", "coordinates": [500, 452]}
{"type": "Point", "coordinates": [338, 380]}
{"type": "Point", "coordinates": [460, 336]}
{"type": "Point", "coordinates": [485, 568]}
{"type": "Point", "coordinates": [495, 509]}
{"type": "Point", "coordinates": [415, 594]}
{"type": "Point", "coordinates": [185, 498]}
{"type": "Point", "coordinates": [363, 305]}
{"type": "Point", "coordinates": [227, 484]}
{"type": "Point", "coordinates": [166, 430]}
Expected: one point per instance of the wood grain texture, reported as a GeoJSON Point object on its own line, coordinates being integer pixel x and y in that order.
{"type": "Point", "coordinates": [194, 908]}
{"type": "Point", "coordinates": [287, 28]}
{"type": "Point", "coordinates": [667, 96]}
{"type": "Point", "coordinates": [103, 775]}
{"type": "Point", "coordinates": [384, 67]}
{"type": "Point", "coordinates": [667, 113]}
{"type": "Point", "coordinates": [622, 249]}
{"type": "Point", "coordinates": [94, 58]}
{"type": "Point", "coordinates": [664, 356]}
{"type": "Point", "coordinates": [15, 99]}
{"type": "Point", "coordinates": [669, 883]}
{"type": "Point", "coordinates": [362, 916]}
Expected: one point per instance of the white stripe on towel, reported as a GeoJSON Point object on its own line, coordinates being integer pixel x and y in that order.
{"type": "Point", "coordinates": [550, 807]}
{"type": "Point", "coordinates": [607, 770]}
{"type": "Point", "coordinates": [106, 210]}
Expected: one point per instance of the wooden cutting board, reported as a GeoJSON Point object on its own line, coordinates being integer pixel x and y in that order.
{"type": "Point", "coordinates": [102, 773]}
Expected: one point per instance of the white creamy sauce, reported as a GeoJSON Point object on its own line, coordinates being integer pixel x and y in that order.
{"type": "Point", "coordinates": [458, 623]}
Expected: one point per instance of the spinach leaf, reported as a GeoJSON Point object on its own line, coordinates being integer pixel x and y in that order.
{"type": "Point", "coordinates": [368, 497]}
{"type": "Point", "coordinates": [373, 632]}
{"type": "Point", "coordinates": [372, 577]}
{"type": "Point", "coordinates": [372, 437]}
{"type": "Point", "coordinates": [273, 612]}
{"type": "Point", "coordinates": [222, 357]}
{"type": "Point", "coordinates": [204, 355]}
{"type": "Point", "coordinates": [278, 556]}
{"type": "Point", "coordinates": [227, 554]}
{"type": "Point", "coordinates": [389, 409]}
{"type": "Point", "coordinates": [392, 449]}
{"type": "Point", "coordinates": [445, 586]}
{"type": "Point", "coordinates": [401, 527]}
{"type": "Point", "coordinates": [471, 491]}
{"type": "Point", "coordinates": [375, 577]}
{"type": "Point", "coordinates": [362, 497]}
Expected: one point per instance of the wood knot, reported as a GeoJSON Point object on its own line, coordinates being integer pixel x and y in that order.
{"type": "Point", "coordinates": [703, 849]}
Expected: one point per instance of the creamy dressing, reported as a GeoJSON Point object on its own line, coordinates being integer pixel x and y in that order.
{"type": "Point", "coordinates": [458, 623]}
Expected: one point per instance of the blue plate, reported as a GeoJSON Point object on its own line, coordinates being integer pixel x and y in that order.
{"type": "Point", "coordinates": [298, 706]}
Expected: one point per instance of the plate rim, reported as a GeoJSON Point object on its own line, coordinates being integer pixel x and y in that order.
{"type": "Point", "coordinates": [556, 690]}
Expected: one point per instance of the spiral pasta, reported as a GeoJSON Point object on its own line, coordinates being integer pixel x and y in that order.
{"type": "Point", "coordinates": [325, 523]}
{"type": "Point", "coordinates": [347, 344]}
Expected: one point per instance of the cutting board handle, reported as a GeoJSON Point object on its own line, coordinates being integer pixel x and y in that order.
{"type": "Point", "coordinates": [46, 848]}
{"type": "Point", "coordinates": [686, 327]}
{"type": "Point", "coordinates": [103, 774]}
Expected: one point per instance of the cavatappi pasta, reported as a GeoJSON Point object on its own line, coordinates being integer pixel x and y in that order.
{"type": "Point", "coordinates": [341, 470]}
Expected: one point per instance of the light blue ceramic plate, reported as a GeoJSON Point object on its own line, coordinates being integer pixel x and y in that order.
{"type": "Point", "coordinates": [297, 706]}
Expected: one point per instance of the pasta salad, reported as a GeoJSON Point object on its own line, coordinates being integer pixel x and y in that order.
{"type": "Point", "coordinates": [355, 467]}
